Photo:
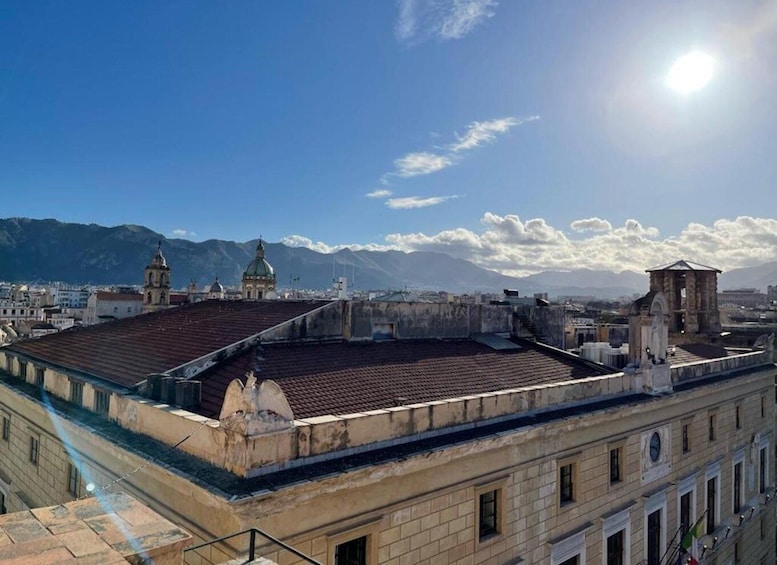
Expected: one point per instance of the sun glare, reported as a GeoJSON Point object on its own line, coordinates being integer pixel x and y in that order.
{"type": "Point", "coordinates": [690, 72]}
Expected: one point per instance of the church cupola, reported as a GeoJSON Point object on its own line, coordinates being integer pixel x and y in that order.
{"type": "Point", "coordinates": [259, 276]}
{"type": "Point", "coordinates": [156, 283]}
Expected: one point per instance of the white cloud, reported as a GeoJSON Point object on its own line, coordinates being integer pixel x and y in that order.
{"type": "Point", "coordinates": [379, 193]}
{"type": "Point", "coordinates": [513, 246]}
{"type": "Point", "coordinates": [416, 202]}
{"type": "Point", "coordinates": [420, 20]}
{"type": "Point", "coordinates": [464, 15]}
{"type": "Point", "coordinates": [321, 247]}
{"type": "Point", "coordinates": [479, 133]}
{"type": "Point", "coordinates": [423, 163]}
{"type": "Point", "coordinates": [180, 232]}
{"type": "Point", "coordinates": [591, 224]}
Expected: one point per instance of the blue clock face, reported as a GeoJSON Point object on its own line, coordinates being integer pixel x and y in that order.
{"type": "Point", "coordinates": [655, 447]}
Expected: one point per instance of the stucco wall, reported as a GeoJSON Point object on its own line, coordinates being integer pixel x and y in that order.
{"type": "Point", "coordinates": [415, 320]}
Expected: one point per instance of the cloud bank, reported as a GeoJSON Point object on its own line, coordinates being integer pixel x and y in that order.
{"type": "Point", "coordinates": [516, 247]}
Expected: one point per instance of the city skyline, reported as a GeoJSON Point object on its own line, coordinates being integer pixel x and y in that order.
{"type": "Point", "coordinates": [522, 137]}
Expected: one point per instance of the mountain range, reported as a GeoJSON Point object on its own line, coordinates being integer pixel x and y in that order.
{"type": "Point", "coordinates": [48, 250]}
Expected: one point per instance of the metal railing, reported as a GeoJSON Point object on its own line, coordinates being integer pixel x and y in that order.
{"type": "Point", "coordinates": [252, 545]}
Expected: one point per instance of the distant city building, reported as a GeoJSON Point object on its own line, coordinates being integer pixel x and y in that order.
{"type": "Point", "coordinates": [106, 306]}
{"type": "Point", "coordinates": [216, 290]}
{"type": "Point", "coordinates": [771, 293]}
{"type": "Point", "coordinates": [156, 285]}
{"type": "Point", "coordinates": [745, 297]}
{"type": "Point", "coordinates": [13, 313]}
{"type": "Point", "coordinates": [259, 277]}
{"type": "Point", "coordinates": [69, 297]}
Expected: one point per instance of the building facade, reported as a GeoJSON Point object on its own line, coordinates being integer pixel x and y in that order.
{"type": "Point", "coordinates": [448, 443]}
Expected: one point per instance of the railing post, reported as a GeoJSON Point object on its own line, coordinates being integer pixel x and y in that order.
{"type": "Point", "coordinates": [252, 548]}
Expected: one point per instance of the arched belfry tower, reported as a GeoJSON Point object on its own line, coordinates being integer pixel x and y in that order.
{"type": "Point", "coordinates": [259, 277]}
{"type": "Point", "coordinates": [691, 292]}
{"type": "Point", "coordinates": [156, 283]}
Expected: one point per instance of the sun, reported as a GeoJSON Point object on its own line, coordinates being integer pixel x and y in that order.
{"type": "Point", "coordinates": [690, 73]}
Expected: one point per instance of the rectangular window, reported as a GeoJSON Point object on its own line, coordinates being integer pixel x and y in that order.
{"type": "Point", "coordinates": [762, 470]}
{"type": "Point", "coordinates": [738, 416]}
{"type": "Point", "coordinates": [616, 464]}
{"type": "Point", "coordinates": [738, 487]}
{"type": "Point", "coordinates": [352, 552]}
{"type": "Point", "coordinates": [8, 363]}
{"type": "Point", "coordinates": [686, 438]}
{"type": "Point", "coordinates": [685, 513]}
{"type": "Point", "coordinates": [488, 514]}
{"type": "Point", "coordinates": [567, 483]}
{"type": "Point", "coordinates": [615, 549]}
{"type": "Point", "coordinates": [712, 493]}
{"type": "Point", "coordinates": [34, 446]}
{"type": "Point", "coordinates": [763, 407]}
{"type": "Point", "coordinates": [572, 561]}
{"type": "Point", "coordinates": [23, 369]}
{"type": "Point", "coordinates": [3, 508]}
{"type": "Point", "coordinates": [711, 427]}
{"type": "Point", "coordinates": [73, 480]}
{"type": "Point", "coordinates": [738, 552]}
{"type": "Point", "coordinates": [39, 376]}
{"type": "Point", "coordinates": [654, 552]}
{"type": "Point", "coordinates": [6, 428]}
{"type": "Point", "coordinates": [101, 401]}
{"type": "Point", "coordinates": [76, 392]}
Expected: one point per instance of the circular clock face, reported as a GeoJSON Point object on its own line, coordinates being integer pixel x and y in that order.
{"type": "Point", "coordinates": [655, 447]}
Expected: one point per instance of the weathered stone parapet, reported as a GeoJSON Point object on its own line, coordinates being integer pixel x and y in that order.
{"type": "Point", "coordinates": [699, 369]}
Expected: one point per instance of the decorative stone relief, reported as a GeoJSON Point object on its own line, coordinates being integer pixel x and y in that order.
{"type": "Point", "coordinates": [252, 410]}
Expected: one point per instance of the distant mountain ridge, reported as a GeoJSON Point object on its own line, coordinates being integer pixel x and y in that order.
{"type": "Point", "coordinates": [49, 250]}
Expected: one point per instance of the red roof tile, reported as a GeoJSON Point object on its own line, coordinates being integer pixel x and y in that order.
{"type": "Point", "coordinates": [692, 352]}
{"type": "Point", "coordinates": [343, 378]}
{"type": "Point", "coordinates": [126, 351]}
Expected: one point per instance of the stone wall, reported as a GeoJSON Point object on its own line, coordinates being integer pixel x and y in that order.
{"type": "Point", "coordinates": [416, 320]}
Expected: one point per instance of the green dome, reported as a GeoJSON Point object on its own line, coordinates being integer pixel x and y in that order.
{"type": "Point", "coordinates": [259, 267]}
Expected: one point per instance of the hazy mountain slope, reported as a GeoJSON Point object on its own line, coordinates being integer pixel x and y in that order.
{"type": "Point", "coordinates": [758, 277]}
{"type": "Point", "coordinates": [48, 250]}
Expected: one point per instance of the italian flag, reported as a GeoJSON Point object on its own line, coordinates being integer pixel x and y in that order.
{"type": "Point", "coordinates": [690, 543]}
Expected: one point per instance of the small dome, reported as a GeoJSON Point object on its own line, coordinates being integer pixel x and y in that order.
{"type": "Point", "coordinates": [216, 286]}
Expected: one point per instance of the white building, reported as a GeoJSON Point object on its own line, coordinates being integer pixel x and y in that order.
{"type": "Point", "coordinates": [106, 306]}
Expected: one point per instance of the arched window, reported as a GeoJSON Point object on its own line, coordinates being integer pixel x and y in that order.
{"type": "Point", "coordinates": [248, 294]}
{"type": "Point", "coordinates": [148, 300]}
{"type": "Point", "coordinates": [150, 279]}
{"type": "Point", "coordinates": [162, 298]}
{"type": "Point", "coordinates": [162, 279]}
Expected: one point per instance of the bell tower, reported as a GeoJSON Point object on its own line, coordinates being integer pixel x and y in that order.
{"type": "Point", "coordinates": [156, 283]}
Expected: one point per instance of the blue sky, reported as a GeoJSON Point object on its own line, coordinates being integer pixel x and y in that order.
{"type": "Point", "coordinates": [519, 135]}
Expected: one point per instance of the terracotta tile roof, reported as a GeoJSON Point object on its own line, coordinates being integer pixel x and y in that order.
{"type": "Point", "coordinates": [126, 351]}
{"type": "Point", "coordinates": [692, 352]}
{"type": "Point", "coordinates": [343, 378]}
